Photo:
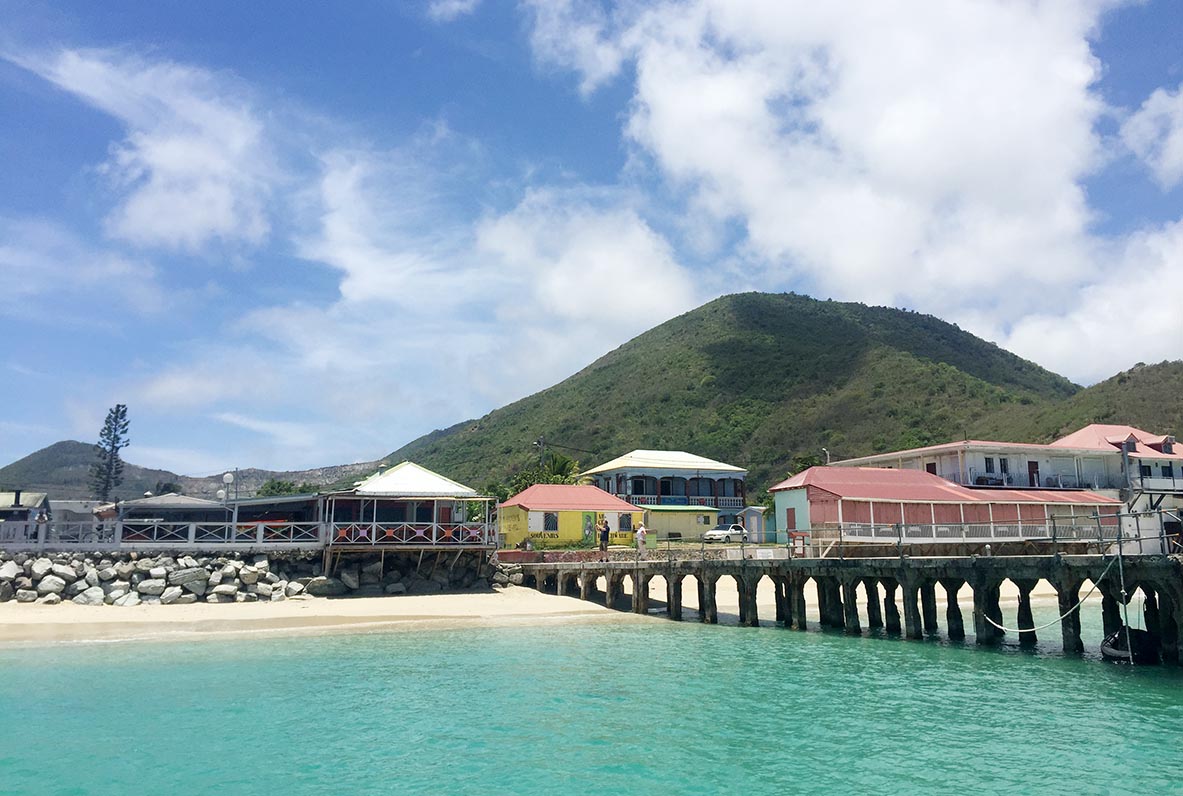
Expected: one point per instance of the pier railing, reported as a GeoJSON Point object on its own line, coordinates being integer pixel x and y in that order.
{"type": "Point", "coordinates": [911, 533]}
{"type": "Point", "coordinates": [161, 535]}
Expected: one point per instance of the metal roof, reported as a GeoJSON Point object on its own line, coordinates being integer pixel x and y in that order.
{"type": "Point", "coordinates": [568, 497]}
{"type": "Point", "coordinates": [29, 500]}
{"type": "Point", "coordinates": [1106, 438]}
{"type": "Point", "coordinates": [919, 486]}
{"type": "Point", "coordinates": [171, 500]}
{"type": "Point", "coordinates": [411, 480]}
{"type": "Point", "coordinates": [664, 460]}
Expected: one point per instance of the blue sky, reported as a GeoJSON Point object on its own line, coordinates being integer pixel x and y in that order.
{"type": "Point", "coordinates": [289, 235]}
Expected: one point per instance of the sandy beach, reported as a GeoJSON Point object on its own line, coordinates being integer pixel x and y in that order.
{"type": "Point", "coordinates": [20, 624]}
{"type": "Point", "coordinates": [41, 624]}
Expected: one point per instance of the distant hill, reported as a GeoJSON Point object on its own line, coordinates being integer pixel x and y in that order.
{"type": "Point", "coordinates": [754, 379]}
{"type": "Point", "coordinates": [751, 379]}
{"type": "Point", "coordinates": [1149, 397]}
{"type": "Point", "coordinates": [63, 470]}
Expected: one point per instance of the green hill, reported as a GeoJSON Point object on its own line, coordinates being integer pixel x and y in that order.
{"type": "Point", "coordinates": [1149, 397]}
{"type": "Point", "coordinates": [754, 379]}
{"type": "Point", "coordinates": [63, 470]}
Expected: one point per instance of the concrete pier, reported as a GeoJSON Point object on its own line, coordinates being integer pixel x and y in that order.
{"type": "Point", "coordinates": [912, 581]}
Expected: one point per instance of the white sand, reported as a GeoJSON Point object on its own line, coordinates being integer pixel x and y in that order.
{"type": "Point", "coordinates": [67, 622]}
{"type": "Point", "coordinates": [37, 624]}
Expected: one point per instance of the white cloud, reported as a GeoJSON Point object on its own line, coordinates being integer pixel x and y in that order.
{"type": "Point", "coordinates": [46, 269]}
{"type": "Point", "coordinates": [284, 433]}
{"type": "Point", "coordinates": [1130, 315]}
{"type": "Point", "coordinates": [922, 156]}
{"type": "Point", "coordinates": [578, 34]}
{"type": "Point", "coordinates": [194, 167]}
{"type": "Point", "coordinates": [449, 10]}
{"type": "Point", "coordinates": [1155, 134]}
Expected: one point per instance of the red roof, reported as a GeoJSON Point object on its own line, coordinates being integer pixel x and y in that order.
{"type": "Point", "coordinates": [1108, 438]}
{"type": "Point", "coordinates": [874, 483]}
{"type": "Point", "coordinates": [567, 497]}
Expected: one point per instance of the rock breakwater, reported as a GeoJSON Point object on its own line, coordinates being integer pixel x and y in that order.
{"type": "Point", "coordinates": [134, 579]}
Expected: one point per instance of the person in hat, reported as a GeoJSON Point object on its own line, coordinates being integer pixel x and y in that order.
{"type": "Point", "coordinates": [641, 533]}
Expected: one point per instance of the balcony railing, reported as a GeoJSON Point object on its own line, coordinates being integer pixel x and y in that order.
{"type": "Point", "coordinates": [910, 533]}
{"type": "Point", "coordinates": [159, 535]}
{"type": "Point", "coordinates": [683, 500]}
{"type": "Point", "coordinates": [1159, 483]}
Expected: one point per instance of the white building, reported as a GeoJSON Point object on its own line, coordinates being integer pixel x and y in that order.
{"type": "Point", "coordinates": [673, 478]}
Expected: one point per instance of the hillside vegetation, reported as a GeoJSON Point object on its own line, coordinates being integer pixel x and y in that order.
{"type": "Point", "coordinates": [753, 379]}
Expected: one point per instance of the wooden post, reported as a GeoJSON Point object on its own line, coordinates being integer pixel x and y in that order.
{"type": "Point", "coordinates": [850, 607]}
{"type": "Point", "coordinates": [797, 599]}
{"type": "Point", "coordinates": [891, 612]}
{"type": "Point", "coordinates": [928, 603]}
{"type": "Point", "coordinates": [953, 619]}
{"type": "Point", "coordinates": [673, 597]}
{"type": "Point", "coordinates": [1027, 637]}
{"type": "Point", "coordinates": [874, 614]}
{"type": "Point", "coordinates": [1067, 596]}
{"type": "Point", "coordinates": [913, 628]}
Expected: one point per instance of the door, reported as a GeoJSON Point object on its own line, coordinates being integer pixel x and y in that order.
{"type": "Point", "coordinates": [790, 520]}
{"type": "Point", "coordinates": [1033, 473]}
{"type": "Point", "coordinates": [931, 467]}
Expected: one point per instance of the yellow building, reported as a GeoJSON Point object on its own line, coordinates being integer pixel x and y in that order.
{"type": "Point", "coordinates": [680, 522]}
{"type": "Point", "coordinates": [557, 515]}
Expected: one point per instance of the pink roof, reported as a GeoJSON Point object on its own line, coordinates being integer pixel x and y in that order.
{"type": "Point", "coordinates": [1108, 438]}
{"type": "Point", "coordinates": [567, 497]}
{"type": "Point", "coordinates": [874, 483]}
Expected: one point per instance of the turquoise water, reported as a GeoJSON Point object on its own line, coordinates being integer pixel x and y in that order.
{"type": "Point", "coordinates": [658, 707]}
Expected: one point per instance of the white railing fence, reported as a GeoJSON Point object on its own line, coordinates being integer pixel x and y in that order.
{"type": "Point", "coordinates": [159, 535]}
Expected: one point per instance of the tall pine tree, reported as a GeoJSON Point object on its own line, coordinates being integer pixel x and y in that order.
{"type": "Point", "coordinates": [107, 471]}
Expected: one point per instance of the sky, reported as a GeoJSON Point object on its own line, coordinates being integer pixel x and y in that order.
{"type": "Point", "coordinates": [289, 235]}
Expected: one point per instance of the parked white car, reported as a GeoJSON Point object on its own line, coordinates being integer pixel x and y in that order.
{"type": "Point", "coordinates": [726, 533]}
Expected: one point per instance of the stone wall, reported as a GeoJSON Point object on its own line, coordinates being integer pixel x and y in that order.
{"type": "Point", "coordinates": [133, 579]}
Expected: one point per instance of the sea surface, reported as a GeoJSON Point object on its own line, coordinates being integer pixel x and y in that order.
{"type": "Point", "coordinates": [650, 708]}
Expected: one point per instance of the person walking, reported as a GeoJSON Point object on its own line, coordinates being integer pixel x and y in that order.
{"type": "Point", "coordinates": [642, 532]}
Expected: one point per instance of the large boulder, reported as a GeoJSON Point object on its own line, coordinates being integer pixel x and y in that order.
{"type": "Point", "coordinates": [185, 599]}
{"type": "Point", "coordinates": [9, 571]}
{"type": "Point", "coordinates": [40, 568]}
{"type": "Point", "coordinates": [325, 587]}
{"type": "Point", "coordinates": [170, 595]}
{"type": "Point", "coordinates": [7, 590]}
{"type": "Point", "coordinates": [396, 588]}
{"type": "Point", "coordinates": [108, 573]}
{"type": "Point", "coordinates": [158, 572]}
{"type": "Point", "coordinates": [92, 577]}
{"type": "Point", "coordinates": [197, 587]}
{"type": "Point", "coordinates": [124, 569]}
{"type": "Point", "coordinates": [226, 589]}
{"type": "Point", "coordinates": [248, 575]}
{"type": "Point", "coordinates": [76, 588]}
{"type": "Point", "coordinates": [215, 577]}
{"type": "Point", "coordinates": [213, 597]}
{"type": "Point", "coordinates": [262, 564]}
{"type": "Point", "coordinates": [180, 577]}
{"type": "Point", "coordinates": [152, 586]}
{"type": "Point", "coordinates": [26, 596]}
{"type": "Point", "coordinates": [92, 596]}
{"type": "Point", "coordinates": [350, 577]}
{"type": "Point", "coordinates": [144, 565]}
{"type": "Point", "coordinates": [293, 588]}
{"type": "Point", "coordinates": [187, 562]}
{"type": "Point", "coordinates": [127, 600]}
{"type": "Point", "coordinates": [50, 599]}
{"type": "Point", "coordinates": [263, 589]}
{"type": "Point", "coordinates": [64, 572]}
{"type": "Point", "coordinates": [51, 584]}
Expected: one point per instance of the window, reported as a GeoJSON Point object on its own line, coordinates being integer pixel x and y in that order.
{"type": "Point", "coordinates": [550, 521]}
{"type": "Point", "coordinates": [1168, 471]}
{"type": "Point", "coordinates": [1144, 470]}
{"type": "Point", "coordinates": [989, 464]}
{"type": "Point", "coordinates": [1004, 466]}
{"type": "Point", "coordinates": [626, 523]}
{"type": "Point", "coordinates": [931, 467]}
